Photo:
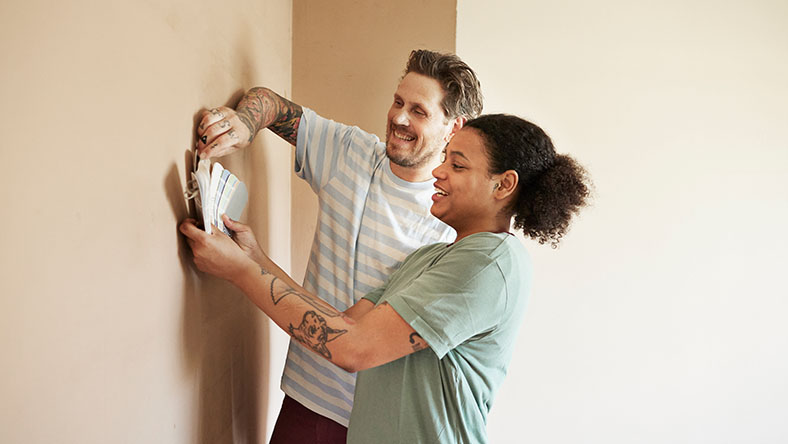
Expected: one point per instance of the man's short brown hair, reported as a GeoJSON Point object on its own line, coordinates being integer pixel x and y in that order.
{"type": "Point", "coordinates": [463, 93]}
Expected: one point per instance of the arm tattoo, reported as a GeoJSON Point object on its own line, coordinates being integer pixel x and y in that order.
{"type": "Point", "coordinates": [318, 304]}
{"type": "Point", "coordinates": [315, 333]}
{"type": "Point", "coordinates": [418, 342]}
{"type": "Point", "coordinates": [262, 108]}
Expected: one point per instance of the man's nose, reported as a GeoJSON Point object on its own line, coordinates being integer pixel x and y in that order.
{"type": "Point", "coordinates": [400, 118]}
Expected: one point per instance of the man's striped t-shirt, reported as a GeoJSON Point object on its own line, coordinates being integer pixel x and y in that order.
{"type": "Point", "coordinates": [369, 221]}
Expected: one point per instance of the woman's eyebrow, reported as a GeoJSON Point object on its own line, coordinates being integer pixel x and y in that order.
{"type": "Point", "coordinates": [459, 153]}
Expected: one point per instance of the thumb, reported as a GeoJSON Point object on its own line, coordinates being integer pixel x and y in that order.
{"type": "Point", "coordinates": [233, 225]}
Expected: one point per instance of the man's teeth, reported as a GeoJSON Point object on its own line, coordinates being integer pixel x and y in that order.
{"type": "Point", "coordinates": [441, 192]}
{"type": "Point", "coordinates": [404, 137]}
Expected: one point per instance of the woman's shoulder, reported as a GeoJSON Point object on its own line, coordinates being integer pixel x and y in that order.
{"type": "Point", "coordinates": [503, 249]}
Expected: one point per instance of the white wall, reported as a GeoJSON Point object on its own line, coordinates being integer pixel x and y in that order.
{"type": "Point", "coordinates": [662, 318]}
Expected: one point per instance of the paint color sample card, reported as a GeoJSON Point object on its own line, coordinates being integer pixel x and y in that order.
{"type": "Point", "coordinates": [217, 191]}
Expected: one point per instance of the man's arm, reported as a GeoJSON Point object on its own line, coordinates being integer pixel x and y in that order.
{"type": "Point", "coordinates": [263, 108]}
{"type": "Point", "coordinates": [223, 130]}
{"type": "Point", "coordinates": [364, 337]}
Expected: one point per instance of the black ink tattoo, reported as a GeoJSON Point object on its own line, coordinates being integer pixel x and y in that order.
{"type": "Point", "coordinates": [286, 292]}
{"type": "Point", "coordinates": [317, 304]}
{"type": "Point", "coordinates": [417, 341]}
{"type": "Point", "coordinates": [315, 333]}
{"type": "Point", "coordinates": [224, 124]}
{"type": "Point", "coordinates": [247, 120]}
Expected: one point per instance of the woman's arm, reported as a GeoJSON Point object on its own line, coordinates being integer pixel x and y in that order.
{"type": "Point", "coordinates": [364, 337]}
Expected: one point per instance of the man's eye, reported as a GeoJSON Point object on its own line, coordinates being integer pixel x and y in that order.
{"type": "Point", "coordinates": [457, 167]}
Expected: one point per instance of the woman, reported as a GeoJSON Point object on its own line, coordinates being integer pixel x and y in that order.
{"type": "Point", "coordinates": [462, 301]}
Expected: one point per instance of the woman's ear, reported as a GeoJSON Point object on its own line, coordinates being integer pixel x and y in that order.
{"type": "Point", "coordinates": [507, 184]}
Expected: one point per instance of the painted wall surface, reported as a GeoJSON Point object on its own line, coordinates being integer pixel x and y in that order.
{"type": "Point", "coordinates": [348, 57]}
{"type": "Point", "coordinates": [662, 317]}
{"type": "Point", "coordinates": [107, 332]}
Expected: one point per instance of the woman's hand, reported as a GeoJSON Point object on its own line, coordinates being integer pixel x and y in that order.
{"type": "Point", "coordinates": [216, 253]}
{"type": "Point", "coordinates": [245, 238]}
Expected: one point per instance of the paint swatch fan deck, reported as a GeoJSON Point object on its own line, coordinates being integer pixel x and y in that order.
{"type": "Point", "coordinates": [216, 191]}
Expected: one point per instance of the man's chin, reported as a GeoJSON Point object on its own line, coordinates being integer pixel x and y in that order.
{"type": "Point", "coordinates": [395, 156]}
{"type": "Point", "coordinates": [398, 160]}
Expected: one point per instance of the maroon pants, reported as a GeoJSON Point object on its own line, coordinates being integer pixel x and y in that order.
{"type": "Point", "coordinates": [299, 425]}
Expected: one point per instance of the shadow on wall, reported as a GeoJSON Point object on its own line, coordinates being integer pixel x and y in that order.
{"type": "Point", "coordinates": [221, 341]}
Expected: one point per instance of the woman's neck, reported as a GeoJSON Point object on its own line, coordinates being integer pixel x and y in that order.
{"type": "Point", "coordinates": [498, 226]}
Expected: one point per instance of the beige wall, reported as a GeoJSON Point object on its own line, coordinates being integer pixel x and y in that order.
{"type": "Point", "coordinates": [662, 318]}
{"type": "Point", "coordinates": [107, 333]}
{"type": "Point", "coordinates": [348, 57]}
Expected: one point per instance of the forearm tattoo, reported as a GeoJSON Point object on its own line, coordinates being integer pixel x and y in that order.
{"type": "Point", "coordinates": [313, 331]}
{"type": "Point", "coordinates": [262, 108]}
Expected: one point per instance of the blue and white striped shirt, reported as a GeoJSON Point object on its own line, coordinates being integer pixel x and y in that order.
{"type": "Point", "coordinates": [369, 221]}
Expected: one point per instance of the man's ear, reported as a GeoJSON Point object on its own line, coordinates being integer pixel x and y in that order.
{"type": "Point", "coordinates": [456, 125]}
{"type": "Point", "coordinates": [507, 184]}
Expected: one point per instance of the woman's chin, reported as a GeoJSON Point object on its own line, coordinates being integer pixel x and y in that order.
{"type": "Point", "coordinates": [441, 215]}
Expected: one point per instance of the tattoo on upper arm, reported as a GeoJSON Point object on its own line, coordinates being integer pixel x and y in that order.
{"type": "Point", "coordinates": [264, 107]}
{"type": "Point", "coordinates": [417, 341]}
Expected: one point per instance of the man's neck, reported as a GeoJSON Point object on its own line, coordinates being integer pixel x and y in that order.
{"type": "Point", "coordinates": [413, 174]}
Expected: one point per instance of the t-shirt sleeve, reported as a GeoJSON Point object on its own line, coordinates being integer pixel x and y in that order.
{"type": "Point", "coordinates": [374, 295]}
{"type": "Point", "coordinates": [325, 148]}
{"type": "Point", "coordinates": [457, 298]}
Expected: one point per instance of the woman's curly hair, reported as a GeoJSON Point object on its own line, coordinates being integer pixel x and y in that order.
{"type": "Point", "coordinates": [552, 187]}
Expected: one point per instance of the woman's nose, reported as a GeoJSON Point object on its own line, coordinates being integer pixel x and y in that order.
{"type": "Point", "coordinates": [438, 172]}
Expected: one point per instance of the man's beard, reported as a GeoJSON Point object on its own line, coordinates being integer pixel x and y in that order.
{"type": "Point", "coordinates": [410, 160]}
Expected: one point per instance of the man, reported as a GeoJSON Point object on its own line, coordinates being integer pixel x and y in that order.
{"type": "Point", "coordinates": [374, 202]}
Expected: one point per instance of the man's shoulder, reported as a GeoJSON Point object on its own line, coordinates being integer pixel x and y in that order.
{"type": "Point", "coordinates": [314, 121]}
